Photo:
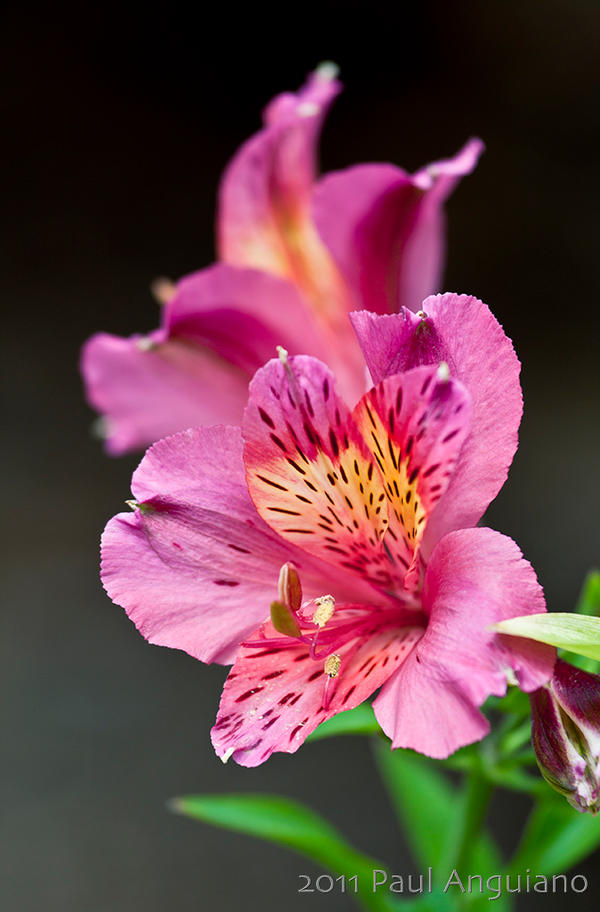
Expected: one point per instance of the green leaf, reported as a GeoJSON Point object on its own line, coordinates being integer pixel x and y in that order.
{"type": "Point", "coordinates": [358, 721]}
{"type": "Point", "coordinates": [291, 824]}
{"type": "Point", "coordinates": [589, 604]}
{"type": "Point", "coordinates": [422, 799]}
{"type": "Point", "coordinates": [429, 809]}
{"type": "Point", "coordinates": [589, 599]}
{"type": "Point", "coordinates": [556, 838]}
{"type": "Point", "coordinates": [573, 632]}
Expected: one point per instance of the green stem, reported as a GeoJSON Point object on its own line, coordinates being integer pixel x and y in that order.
{"type": "Point", "coordinates": [516, 738]}
{"type": "Point", "coordinates": [477, 791]}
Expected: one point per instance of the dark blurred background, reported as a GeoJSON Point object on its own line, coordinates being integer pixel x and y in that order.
{"type": "Point", "coordinates": [117, 126]}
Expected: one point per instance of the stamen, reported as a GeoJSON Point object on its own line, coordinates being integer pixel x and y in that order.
{"type": "Point", "coordinates": [421, 315]}
{"type": "Point", "coordinates": [282, 354]}
{"type": "Point", "coordinates": [284, 620]}
{"type": "Point", "coordinates": [332, 665]}
{"type": "Point", "coordinates": [324, 610]}
{"type": "Point", "coordinates": [332, 668]}
{"type": "Point", "coordinates": [290, 588]}
{"type": "Point", "coordinates": [132, 504]}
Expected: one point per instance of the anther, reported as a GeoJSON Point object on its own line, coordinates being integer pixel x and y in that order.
{"type": "Point", "coordinates": [290, 588]}
{"type": "Point", "coordinates": [332, 669]}
{"type": "Point", "coordinates": [421, 315]}
{"type": "Point", "coordinates": [325, 606]}
{"type": "Point", "coordinates": [332, 665]}
{"type": "Point", "coordinates": [284, 620]}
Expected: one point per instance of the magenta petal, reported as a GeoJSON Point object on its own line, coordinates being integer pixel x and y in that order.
{"type": "Point", "coordinates": [219, 327]}
{"type": "Point", "coordinates": [462, 331]}
{"type": "Point", "coordinates": [425, 252]}
{"type": "Point", "coordinates": [309, 471]}
{"type": "Point", "coordinates": [195, 567]}
{"type": "Point", "coordinates": [266, 187]}
{"type": "Point", "coordinates": [274, 697]}
{"type": "Point", "coordinates": [476, 577]}
{"type": "Point", "coordinates": [149, 387]}
{"type": "Point", "coordinates": [385, 228]}
{"type": "Point", "coordinates": [364, 215]}
{"type": "Point", "coordinates": [242, 315]}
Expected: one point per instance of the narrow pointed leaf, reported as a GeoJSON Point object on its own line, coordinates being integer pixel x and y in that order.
{"type": "Point", "coordinates": [555, 839]}
{"type": "Point", "coordinates": [573, 632]}
{"type": "Point", "coordinates": [291, 824]}
{"type": "Point", "coordinates": [358, 721]}
{"type": "Point", "coordinates": [428, 807]}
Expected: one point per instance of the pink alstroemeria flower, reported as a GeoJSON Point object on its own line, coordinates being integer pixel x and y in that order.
{"type": "Point", "coordinates": [297, 255]}
{"type": "Point", "coordinates": [351, 500]}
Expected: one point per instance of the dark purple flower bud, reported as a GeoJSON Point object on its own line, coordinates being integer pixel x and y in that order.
{"type": "Point", "coordinates": [566, 735]}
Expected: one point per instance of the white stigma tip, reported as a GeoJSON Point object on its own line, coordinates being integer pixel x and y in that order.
{"type": "Point", "coordinates": [145, 344]}
{"type": "Point", "coordinates": [132, 504]}
{"type": "Point", "coordinates": [421, 315]}
{"type": "Point", "coordinates": [328, 71]}
{"type": "Point", "coordinates": [100, 428]}
{"type": "Point", "coordinates": [443, 372]}
{"type": "Point", "coordinates": [282, 354]}
{"type": "Point", "coordinates": [227, 754]}
{"type": "Point", "coordinates": [307, 109]}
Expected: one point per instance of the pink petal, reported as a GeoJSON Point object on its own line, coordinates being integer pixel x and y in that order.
{"type": "Point", "coordinates": [148, 387]}
{"type": "Point", "coordinates": [218, 328]}
{"type": "Point", "coordinates": [386, 229]}
{"type": "Point", "coordinates": [265, 221]}
{"type": "Point", "coordinates": [273, 697]}
{"type": "Point", "coordinates": [242, 315]}
{"type": "Point", "coordinates": [266, 188]}
{"type": "Point", "coordinates": [425, 254]}
{"type": "Point", "coordinates": [415, 425]}
{"type": "Point", "coordinates": [196, 568]}
{"type": "Point", "coordinates": [462, 331]}
{"type": "Point", "coordinates": [476, 577]}
{"type": "Point", "coordinates": [309, 471]}
{"type": "Point", "coordinates": [333, 485]}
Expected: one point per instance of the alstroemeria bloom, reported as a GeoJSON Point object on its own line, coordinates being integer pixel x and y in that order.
{"type": "Point", "coordinates": [350, 499]}
{"type": "Point", "coordinates": [297, 255]}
